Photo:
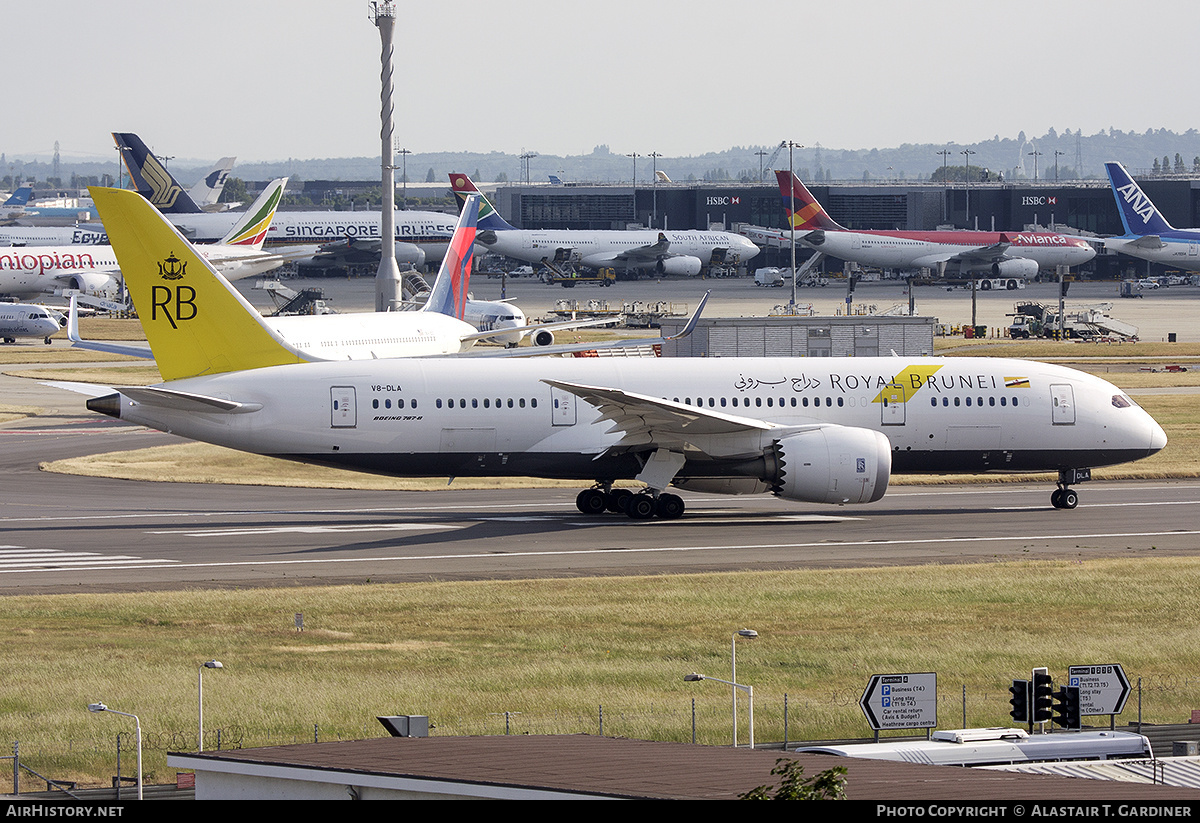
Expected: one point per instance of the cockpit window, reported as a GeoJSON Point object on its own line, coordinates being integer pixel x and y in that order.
{"type": "Point", "coordinates": [1120, 401]}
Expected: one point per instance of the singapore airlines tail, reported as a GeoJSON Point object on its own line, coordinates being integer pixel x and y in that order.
{"type": "Point", "coordinates": [809, 215]}
{"type": "Point", "coordinates": [1138, 214]}
{"type": "Point", "coordinates": [195, 321]}
{"type": "Point", "coordinates": [151, 178]}
{"type": "Point", "coordinates": [251, 230]}
{"type": "Point", "coordinates": [489, 218]}
{"type": "Point", "coordinates": [449, 292]}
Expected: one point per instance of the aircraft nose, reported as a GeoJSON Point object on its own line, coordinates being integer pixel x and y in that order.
{"type": "Point", "coordinates": [1158, 437]}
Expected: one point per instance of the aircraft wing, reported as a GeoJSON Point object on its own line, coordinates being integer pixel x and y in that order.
{"type": "Point", "coordinates": [647, 253]}
{"type": "Point", "coordinates": [535, 327]}
{"type": "Point", "coordinates": [1147, 241]}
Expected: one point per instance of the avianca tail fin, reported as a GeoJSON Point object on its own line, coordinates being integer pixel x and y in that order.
{"type": "Point", "coordinates": [809, 214]}
{"type": "Point", "coordinates": [151, 178]}
{"type": "Point", "coordinates": [1138, 214]}
{"type": "Point", "coordinates": [208, 189]}
{"type": "Point", "coordinates": [195, 321]}
{"type": "Point", "coordinates": [449, 292]}
{"type": "Point", "coordinates": [19, 197]}
{"type": "Point", "coordinates": [489, 218]}
{"type": "Point", "coordinates": [251, 230]}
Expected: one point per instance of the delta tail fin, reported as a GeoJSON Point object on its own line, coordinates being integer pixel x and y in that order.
{"type": "Point", "coordinates": [151, 178]}
{"type": "Point", "coordinates": [195, 322]}
{"type": "Point", "coordinates": [251, 229]}
{"type": "Point", "coordinates": [489, 218]}
{"type": "Point", "coordinates": [809, 214]}
{"type": "Point", "coordinates": [449, 292]}
{"type": "Point", "coordinates": [1139, 215]}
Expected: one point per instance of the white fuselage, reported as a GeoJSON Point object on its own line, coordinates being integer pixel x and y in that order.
{"type": "Point", "coordinates": [50, 236]}
{"type": "Point", "coordinates": [1179, 249]}
{"type": "Point", "coordinates": [916, 250]}
{"type": "Point", "coordinates": [596, 249]}
{"type": "Point", "coordinates": [374, 335]}
{"type": "Point", "coordinates": [430, 231]}
{"type": "Point", "coordinates": [26, 320]}
{"type": "Point", "coordinates": [456, 417]}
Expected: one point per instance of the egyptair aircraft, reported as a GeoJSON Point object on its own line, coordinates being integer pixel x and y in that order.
{"type": "Point", "coordinates": [1148, 235]}
{"type": "Point", "coordinates": [420, 235]}
{"type": "Point", "coordinates": [812, 429]}
{"type": "Point", "coordinates": [94, 268]}
{"type": "Point", "coordinates": [1003, 254]}
{"type": "Point", "coordinates": [664, 252]}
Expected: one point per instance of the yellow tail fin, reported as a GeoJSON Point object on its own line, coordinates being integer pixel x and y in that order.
{"type": "Point", "coordinates": [195, 321]}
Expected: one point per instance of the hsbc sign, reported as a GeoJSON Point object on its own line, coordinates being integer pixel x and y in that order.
{"type": "Point", "coordinates": [1039, 200]}
{"type": "Point", "coordinates": [723, 201]}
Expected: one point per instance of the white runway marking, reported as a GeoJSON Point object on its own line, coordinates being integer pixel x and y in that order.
{"type": "Point", "coordinates": [19, 559]}
{"type": "Point", "coordinates": [315, 529]}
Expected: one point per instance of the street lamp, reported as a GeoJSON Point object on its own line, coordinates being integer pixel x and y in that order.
{"type": "Point", "coordinates": [749, 690]}
{"type": "Point", "coordinates": [745, 634]}
{"type": "Point", "coordinates": [212, 664]}
{"type": "Point", "coordinates": [100, 707]}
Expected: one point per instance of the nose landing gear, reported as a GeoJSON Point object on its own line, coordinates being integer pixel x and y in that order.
{"type": "Point", "coordinates": [1064, 497]}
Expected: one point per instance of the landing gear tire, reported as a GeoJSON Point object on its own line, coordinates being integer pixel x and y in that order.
{"type": "Point", "coordinates": [617, 501]}
{"type": "Point", "coordinates": [591, 501]}
{"type": "Point", "coordinates": [1064, 498]}
{"type": "Point", "coordinates": [641, 507]}
{"type": "Point", "coordinates": [669, 507]}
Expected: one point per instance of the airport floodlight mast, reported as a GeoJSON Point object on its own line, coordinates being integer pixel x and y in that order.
{"type": "Point", "coordinates": [1057, 154]}
{"type": "Point", "coordinates": [945, 153]}
{"type": "Point", "coordinates": [967, 153]}
{"type": "Point", "coordinates": [1035, 154]}
{"type": "Point", "coordinates": [654, 185]}
{"type": "Point", "coordinates": [387, 280]}
{"type": "Point", "coordinates": [635, 156]}
{"type": "Point", "coordinates": [792, 216]}
{"type": "Point", "coordinates": [404, 153]}
{"type": "Point", "coordinates": [525, 157]}
{"type": "Point", "coordinates": [761, 154]}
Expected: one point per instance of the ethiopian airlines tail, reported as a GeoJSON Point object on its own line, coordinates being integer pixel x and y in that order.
{"type": "Point", "coordinates": [1138, 214]}
{"type": "Point", "coordinates": [489, 218]}
{"type": "Point", "coordinates": [809, 214]}
{"type": "Point", "coordinates": [251, 230]}
{"type": "Point", "coordinates": [151, 178]}
{"type": "Point", "coordinates": [449, 292]}
{"type": "Point", "coordinates": [195, 322]}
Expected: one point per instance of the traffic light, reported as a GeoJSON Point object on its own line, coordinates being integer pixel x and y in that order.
{"type": "Point", "coordinates": [1043, 696]}
{"type": "Point", "coordinates": [1019, 701]}
{"type": "Point", "coordinates": [1066, 708]}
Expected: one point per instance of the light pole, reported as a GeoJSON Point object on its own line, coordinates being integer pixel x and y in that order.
{"type": "Point", "coordinates": [745, 634]}
{"type": "Point", "coordinates": [1035, 154]}
{"type": "Point", "coordinates": [100, 707]}
{"type": "Point", "coordinates": [792, 217]}
{"type": "Point", "coordinates": [1057, 154]}
{"type": "Point", "coordinates": [404, 153]}
{"type": "Point", "coordinates": [761, 154]}
{"type": "Point", "coordinates": [212, 664]}
{"type": "Point", "coordinates": [654, 183]}
{"type": "Point", "coordinates": [945, 153]}
{"type": "Point", "coordinates": [968, 153]}
{"type": "Point", "coordinates": [635, 156]}
{"type": "Point", "coordinates": [749, 690]}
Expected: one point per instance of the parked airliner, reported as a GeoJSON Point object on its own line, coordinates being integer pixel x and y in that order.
{"type": "Point", "coordinates": [664, 252]}
{"type": "Point", "coordinates": [420, 235]}
{"type": "Point", "coordinates": [1148, 235]}
{"type": "Point", "coordinates": [28, 320]}
{"type": "Point", "coordinates": [819, 430]}
{"type": "Point", "coordinates": [1003, 254]}
{"type": "Point", "coordinates": [94, 268]}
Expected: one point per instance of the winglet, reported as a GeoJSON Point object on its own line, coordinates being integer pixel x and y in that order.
{"type": "Point", "coordinates": [449, 292]}
{"type": "Point", "coordinates": [195, 321]}
{"type": "Point", "coordinates": [1139, 215]}
{"type": "Point", "coordinates": [690, 326]}
{"type": "Point", "coordinates": [809, 213]}
{"type": "Point", "coordinates": [489, 218]}
{"type": "Point", "coordinates": [151, 178]}
{"type": "Point", "coordinates": [251, 230]}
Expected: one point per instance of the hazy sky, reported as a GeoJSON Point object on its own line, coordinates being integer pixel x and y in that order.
{"type": "Point", "coordinates": [272, 79]}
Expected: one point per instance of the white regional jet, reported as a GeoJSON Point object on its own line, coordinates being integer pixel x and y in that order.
{"type": "Point", "coordinates": [26, 320]}
{"type": "Point", "coordinates": [664, 252]}
{"type": "Point", "coordinates": [812, 429]}
{"type": "Point", "coordinates": [94, 268]}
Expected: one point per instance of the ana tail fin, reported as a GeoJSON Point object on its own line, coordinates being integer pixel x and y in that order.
{"type": "Point", "coordinates": [489, 218]}
{"type": "Point", "coordinates": [1139, 215]}
{"type": "Point", "coordinates": [251, 230]}
{"type": "Point", "coordinates": [195, 321]}
{"type": "Point", "coordinates": [809, 214]}
{"type": "Point", "coordinates": [449, 292]}
{"type": "Point", "coordinates": [151, 178]}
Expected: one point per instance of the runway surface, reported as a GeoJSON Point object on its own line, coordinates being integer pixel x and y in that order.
{"type": "Point", "coordinates": [62, 533]}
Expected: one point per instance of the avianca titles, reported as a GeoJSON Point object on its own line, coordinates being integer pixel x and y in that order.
{"type": "Point", "coordinates": [1003, 254]}
{"type": "Point", "coordinates": [812, 430]}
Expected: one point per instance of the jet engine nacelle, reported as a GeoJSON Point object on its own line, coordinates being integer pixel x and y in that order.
{"type": "Point", "coordinates": [833, 464]}
{"type": "Point", "coordinates": [1019, 267]}
{"type": "Point", "coordinates": [542, 337]}
{"type": "Point", "coordinates": [689, 266]}
{"type": "Point", "coordinates": [93, 283]}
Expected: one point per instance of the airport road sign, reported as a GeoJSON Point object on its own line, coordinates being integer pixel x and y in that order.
{"type": "Point", "coordinates": [1102, 689]}
{"type": "Point", "coordinates": [901, 701]}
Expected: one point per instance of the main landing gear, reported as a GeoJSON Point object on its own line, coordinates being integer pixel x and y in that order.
{"type": "Point", "coordinates": [644, 505]}
{"type": "Point", "coordinates": [1064, 497]}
